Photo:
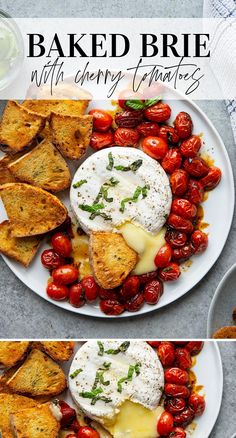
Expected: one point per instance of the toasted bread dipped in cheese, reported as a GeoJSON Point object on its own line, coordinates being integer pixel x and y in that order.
{"type": "Point", "coordinates": [11, 404]}
{"type": "Point", "coordinates": [31, 210]}
{"type": "Point", "coordinates": [57, 350]}
{"type": "Point", "coordinates": [67, 107]}
{"type": "Point", "coordinates": [35, 422]}
{"type": "Point", "coordinates": [12, 352]}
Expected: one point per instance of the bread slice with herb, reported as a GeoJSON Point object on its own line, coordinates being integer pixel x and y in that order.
{"type": "Point", "coordinates": [43, 167]}
{"type": "Point", "coordinates": [57, 350]}
{"type": "Point", "coordinates": [21, 249]}
{"type": "Point", "coordinates": [11, 404]}
{"type": "Point", "coordinates": [19, 127]}
{"type": "Point", "coordinates": [71, 134]}
{"type": "Point", "coordinates": [31, 210]}
{"type": "Point", "coordinates": [35, 422]}
{"type": "Point", "coordinates": [67, 107]}
{"type": "Point", "coordinates": [111, 258]}
{"type": "Point", "coordinates": [12, 352]}
{"type": "Point", "coordinates": [38, 376]}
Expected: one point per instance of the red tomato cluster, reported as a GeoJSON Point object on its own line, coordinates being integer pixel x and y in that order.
{"type": "Point", "coordinates": [69, 421]}
{"type": "Point", "coordinates": [181, 403]}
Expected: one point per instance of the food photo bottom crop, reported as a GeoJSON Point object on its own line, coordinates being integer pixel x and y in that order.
{"type": "Point", "coordinates": [116, 388]}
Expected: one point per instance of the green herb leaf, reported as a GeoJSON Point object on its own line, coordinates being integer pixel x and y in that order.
{"type": "Point", "coordinates": [132, 369]}
{"type": "Point", "coordinates": [135, 104]}
{"type": "Point", "coordinates": [133, 166]}
{"type": "Point", "coordinates": [75, 373]}
{"type": "Point", "coordinates": [121, 349]}
{"type": "Point", "coordinates": [111, 161]}
{"type": "Point", "coordinates": [91, 208]}
{"type": "Point", "coordinates": [151, 102]}
{"type": "Point", "coordinates": [100, 375]}
{"type": "Point", "coordinates": [103, 192]}
{"type": "Point", "coordinates": [103, 215]}
{"type": "Point", "coordinates": [139, 191]}
{"type": "Point", "coordinates": [79, 183]}
{"type": "Point", "coordinates": [91, 394]}
{"type": "Point", "coordinates": [101, 348]}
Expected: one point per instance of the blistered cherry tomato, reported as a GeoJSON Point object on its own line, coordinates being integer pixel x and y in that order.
{"type": "Point", "coordinates": [195, 192]}
{"type": "Point", "coordinates": [111, 307]}
{"type": "Point", "coordinates": [68, 414]}
{"type": "Point", "coordinates": [179, 223]}
{"type": "Point", "coordinates": [178, 432]}
{"type": "Point", "coordinates": [145, 278]}
{"type": "Point", "coordinates": [155, 147]}
{"type": "Point", "coordinates": [61, 244]}
{"type": "Point", "coordinates": [126, 137]}
{"type": "Point", "coordinates": [182, 254]}
{"type": "Point", "coordinates": [176, 375]}
{"type": "Point", "coordinates": [153, 291]}
{"type": "Point", "coordinates": [168, 134]}
{"type": "Point", "coordinates": [88, 432]}
{"type": "Point", "coordinates": [128, 95]}
{"type": "Point", "coordinates": [172, 161]}
{"type": "Point", "coordinates": [102, 120]}
{"type": "Point", "coordinates": [194, 347]}
{"type": "Point", "coordinates": [170, 273]}
{"type": "Point", "coordinates": [71, 435]}
{"type": "Point", "coordinates": [163, 257]}
{"type": "Point", "coordinates": [154, 344]}
{"type": "Point", "coordinates": [76, 295]}
{"type": "Point", "coordinates": [160, 112]}
{"type": "Point", "coordinates": [173, 390]}
{"type": "Point", "coordinates": [175, 238]}
{"type": "Point", "coordinates": [184, 208]}
{"type": "Point", "coordinates": [183, 125]}
{"type": "Point", "coordinates": [190, 147]}
{"type": "Point", "coordinates": [165, 424]}
{"type": "Point", "coordinates": [197, 403]}
{"type": "Point", "coordinates": [196, 167]}
{"type": "Point", "coordinates": [108, 294]}
{"type": "Point", "coordinates": [184, 418]}
{"type": "Point", "coordinates": [148, 128]}
{"type": "Point", "coordinates": [135, 303]}
{"type": "Point", "coordinates": [179, 182]}
{"type": "Point", "coordinates": [90, 287]}
{"type": "Point", "coordinates": [100, 140]}
{"type": "Point", "coordinates": [65, 274]}
{"type": "Point", "coordinates": [183, 358]}
{"type": "Point", "coordinates": [174, 405]}
{"type": "Point", "coordinates": [212, 179]}
{"type": "Point", "coordinates": [130, 287]}
{"type": "Point", "coordinates": [57, 292]}
{"type": "Point", "coordinates": [166, 353]}
{"type": "Point", "coordinates": [128, 118]}
{"type": "Point", "coordinates": [51, 260]}
{"type": "Point", "coordinates": [199, 241]}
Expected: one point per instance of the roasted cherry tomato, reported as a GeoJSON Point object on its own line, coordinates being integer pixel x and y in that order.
{"type": "Point", "coordinates": [166, 353]}
{"type": "Point", "coordinates": [100, 140]}
{"type": "Point", "coordinates": [128, 118]}
{"type": "Point", "coordinates": [68, 414]}
{"type": "Point", "coordinates": [130, 287]}
{"type": "Point", "coordinates": [126, 137]}
{"type": "Point", "coordinates": [197, 403]}
{"type": "Point", "coordinates": [172, 161]}
{"type": "Point", "coordinates": [76, 295]}
{"type": "Point", "coordinates": [135, 303]}
{"type": "Point", "coordinates": [128, 95]}
{"type": "Point", "coordinates": [212, 179]}
{"type": "Point", "coordinates": [194, 347]}
{"type": "Point", "coordinates": [176, 375]}
{"type": "Point", "coordinates": [183, 358]}
{"type": "Point", "coordinates": [160, 112]}
{"type": "Point", "coordinates": [196, 167]}
{"type": "Point", "coordinates": [183, 125]}
{"type": "Point", "coordinates": [175, 238]}
{"type": "Point", "coordinates": [111, 307]}
{"type": "Point", "coordinates": [102, 120]}
{"type": "Point", "coordinates": [90, 287]}
{"type": "Point", "coordinates": [179, 182]}
{"type": "Point", "coordinates": [61, 244]}
{"type": "Point", "coordinates": [57, 292]}
{"type": "Point", "coordinates": [154, 344]}
{"type": "Point", "coordinates": [153, 291]}
{"type": "Point", "coordinates": [51, 260]}
{"type": "Point", "coordinates": [71, 435]}
{"type": "Point", "coordinates": [184, 418]}
{"type": "Point", "coordinates": [65, 274]}
{"type": "Point", "coordinates": [173, 390]}
{"type": "Point", "coordinates": [184, 208]}
{"type": "Point", "coordinates": [145, 278]}
{"type": "Point", "coordinates": [165, 424]}
{"type": "Point", "coordinates": [179, 223]}
{"type": "Point", "coordinates": [148, 128]}
{"type": "Point", "coordinates": [195, 192]}
{"type": "Point", "coordinates": [170, 273]}
{"type": "Point", "coordinates": [199, 241]}
{"type": "Point", "coordinates": [182, 254]}
{"type": "Point", "coordinates": [88, 432]}
{"type": "Point", "coordinates": [163, 257]}
{"type": "Point", "coordinates": [190, 147]}
{"type": "Point", "coordinates": [174, 405]}
{"type": "Point", "coordinates": [155, 147]}
{"type": "Point", "coordinates": [108, 294]}
{"type": "Point", "coordinates": [168, 134]}
{"type": "Point", "coordinates": [178, 432]}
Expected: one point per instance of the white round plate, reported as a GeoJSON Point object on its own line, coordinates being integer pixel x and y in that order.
{"type": "Point", "coordinates": [209, 373]}
{"type": "Point", "coordinates": [218, 209]}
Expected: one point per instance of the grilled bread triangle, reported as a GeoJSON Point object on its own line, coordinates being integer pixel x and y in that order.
{"type": "Point", "coordinates": [11, 352]}
{"type": "Point", "coordinates": [67, 107]}
{"type": "Point", "coordinates": [10, 404]}
{"type": "Point", "coordinates": [35, 422]}
{"type": "Point", "coordinates": [57, 350]}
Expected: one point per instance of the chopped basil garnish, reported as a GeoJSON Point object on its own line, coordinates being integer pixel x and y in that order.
{"type": "Point", "coordinates": [79, 183]}
{"type": "Point", "coordinates": [75, 373]}
{"type": "Point", "coordinates": [111, 161]}
{"type": "Point", "coordinates": [138, 104]}
{"type": "Point", "coordinates": [121, 349]}
{"type": "Point", "coordinates": [94, 396]}
{"type": "Point", "coordinates": [132, 369]}
{"type": "Point", "coordinates": [101, 348]}
{"type": "Point", "coordinates": [139, 191]}
{"type": "Point", "coordinates": [103, 192]}
{"type": "Point", "coordinates": [133, 166]}
{"type": "Point", "coordinates": [100, 376]}
{"type": "Point", "coordinates": [95, 211]}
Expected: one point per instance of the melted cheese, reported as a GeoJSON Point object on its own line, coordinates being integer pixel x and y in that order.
{"type": "Point", "coordinates": [80, 254]}
{"type": "Point", "coordinates": [145, 244]}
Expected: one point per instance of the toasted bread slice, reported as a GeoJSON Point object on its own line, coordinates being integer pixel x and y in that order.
{"type": "Point", "coordinates": [46, 132]}
{"type": "Point", "coordinates": [31, 210]}
{"type": "Point", "coordinates": [21, 249]}
{"type": "Point", "coordinates": [111, 258]}
{"type": "Point", "coordinates": [57, 350]}
{"type": "Point", "coordinates": [67, 107]}
{"type": "Point", "coordinates": [10, 404]}
{"type": "Point", "coordinates": [38, 376]}
{"type": "Point", "coordinates": [19, 127]}
{"type": "Point", "coordinates": [5, 174]}
{"type": "Point", "coordinates": [43, 167]}
{"type": "Point", "coordinates": [228, 332]}
{"type": "Point", "coordinates": [36, 422]}
{"type": "Point", "coordinates": [12, 352]}
{"type": "Point", "coordinates": [71, 134]}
